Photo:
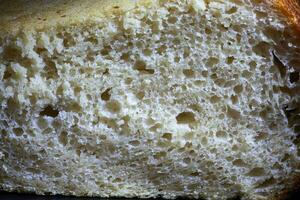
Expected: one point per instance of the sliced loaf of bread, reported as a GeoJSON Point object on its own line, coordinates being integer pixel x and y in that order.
{"type": "Point", "coordinates": [149, 98]}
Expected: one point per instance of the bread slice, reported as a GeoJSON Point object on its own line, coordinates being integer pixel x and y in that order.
{"type": "Point", "coordinates": [147, 98]}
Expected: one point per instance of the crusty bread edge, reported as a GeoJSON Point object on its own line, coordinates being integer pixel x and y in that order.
{"type": "Point", "coordinates": [38, 15]}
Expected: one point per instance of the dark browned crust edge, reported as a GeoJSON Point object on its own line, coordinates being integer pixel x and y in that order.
{"type": "Point", "coordinates": [290, 9]}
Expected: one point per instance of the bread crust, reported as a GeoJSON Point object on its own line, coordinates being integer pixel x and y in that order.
{"type": "Point", "coordinates": [291, 191]}
{"type": "Point", "coordinates": [36, 15]}
{"type": "Point", "coordinates": [291, 9]}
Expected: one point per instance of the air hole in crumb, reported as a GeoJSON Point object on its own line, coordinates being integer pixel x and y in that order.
{"type": "Point", "coordinates": [186, 53]}
{"type": "Point", "coordinates": [267, 183]}
{"type": "Point", "coordinates": [239, 163]}
{"type": "Point", "coordinates": [167, 136]}
{"type": "Point", "coordinates": [262, 49]}
{"type": "Point", "coordinates": [77, 90]}
{"type": "Point", "coordinates": [204, 73]}
{"type": "Point", "coordinates": [113, 106]}
{"type": "Point", "coordinates": [134, 143]}
{"type": "Point", "coordinates": [233, 113]}
{"type": "Point", "coordinates": [234, 99]}
{"type": "Point", "coordinates": [162, 49]}
{"type": "Point", "coordinates": [147, 52]}
{"type": "Point", "coordinates": [185, 118]}
{"type": "Point", "coordinates": [221, 134]}
{"type": "Point", "coordinates": [195, 174]}
{"type": "Point", "coordinates": [257, 171]}
{"type": "Point", "coordinates": [172, 20]}
{"type": "Point", "coordinates": [106, 71]}
{"type": "Point", "coordinates": [18, 131]}
{"type": "Point", "coordinates": [238, 89]}
{"type": "Point", "coordinates": [187, 160]}
{"type": "Point", "coordinates": [12, 54]}
{"type": "Point", "coordinates": [141, 67]}
{"type": "Point", "coordinates": [33, 170]}
{"type": "Point", "coordinates": [128, 81]}
{"type": "Point", "coordinates": [195, 107]}
{"type": "Point", "coordinates": [221, 116]}
{"type": "Point", "coordinates": [212, 61]}
{"type": "Point", "coordinates": [117, 180]}
{"type": "Point", "coordinates": [264, 113]}
{"type": "Point", "coordinates": [73, 107]}
{"type": "Point", "coordinates": [140, 95]}
{"type": "Point", "coordinates": [231, 10]}
{"type": "Point", "coordinates": [177, 59]}
{"type": "Point", "coordinates": [189, 73]}
{"type": "Point", "coordinates": [294, 77]}
{"type": "Point", "coordinates": [92, 40]}
{"type": "Point", "coordinates": [160, 155]}
{"type": "Point", "coordinates": [68, 40]}
{"type": "Point", "coordinates": [49, 111]}
{"type": "Point", "coordinates": [204, 141]}
{"type": "Point", "coordinates": [230, 60]}
{"type": "Point", "coordinates": [215, 99]}
{"type": "Point", "coordinates": [103, 137]}
{"type": "Point", "coordinates": [125, 57]}
{"type": "Point", "coordinates": [246, 74]}
{"type": "Point", "coordinates": [63, 138]}
{"type": "Point", "coordinates": [7, 74]}
{"type": "Point", "coordinates": [252, 65]}
{"type": "Point", "coordinates": [297, 130]}
{"type": "Point", "coordinates": [155, 127]}
{"type": "Point", "coordinates": [90, 56]}
{"type": "Point", "coordinates": [110, 123]}
{"type": "Point", "coordinates": [208, 31]}
{"type": "Point", "coordinates": [105, 51]}
{"type": "Point", "coordinates": [50, 70]}
{"type": "Point", "coordinates": [57, 174]}
{"type": "Point", "coordinates": [42, 123]}
{"type": "Point", "coordinates": [105, 96]}
{"type": "Point", "coordinates": [214, 76]}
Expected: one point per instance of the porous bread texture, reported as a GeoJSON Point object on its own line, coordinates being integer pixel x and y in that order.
{"type": "Point", "coordinates": [182, 98]}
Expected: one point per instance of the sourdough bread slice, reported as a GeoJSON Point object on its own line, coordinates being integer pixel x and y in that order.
{"type": "Point", "coordinates": [145, 98]}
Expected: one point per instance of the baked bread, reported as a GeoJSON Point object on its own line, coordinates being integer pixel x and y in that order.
{"type": "Point", "coordinates": [150, 98]}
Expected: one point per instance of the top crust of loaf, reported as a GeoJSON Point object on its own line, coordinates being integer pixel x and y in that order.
{"type": "Point", "coordinates": [35, 15]}
{"type": "Point", "coordinates": [28, 15]}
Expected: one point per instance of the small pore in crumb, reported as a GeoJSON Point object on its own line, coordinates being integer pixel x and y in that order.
{"type": "Point", "coordinates": [105, 96]}
{"type": "Point", "coordinates": [63, 138]}
{"type": "Point", "coordinates": [167, 136]}
{"type": "Point", "coordinates": [49, 111]}
{"type": "Point", "coordinates": [142, 67]}
{"type": "Point", "coordinates": [294, 77]}
{"type": "Point", "coordinates": [232, 113]}
{"type": "Point", "coordinates": [189, 73]}
{"type": "Point", "coordinates": [257, 171]}
{"type": "Point", "coordinates": [113, 106]}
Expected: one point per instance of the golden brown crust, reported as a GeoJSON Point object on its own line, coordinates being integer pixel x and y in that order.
{"type": "Point", "coordinates": [34, 15]}
{"type": "Point", "coordinates": [291, 9]}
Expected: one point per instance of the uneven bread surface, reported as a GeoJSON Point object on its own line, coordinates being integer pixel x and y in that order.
{"type": "Point", "coordinates": [155, 98]}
